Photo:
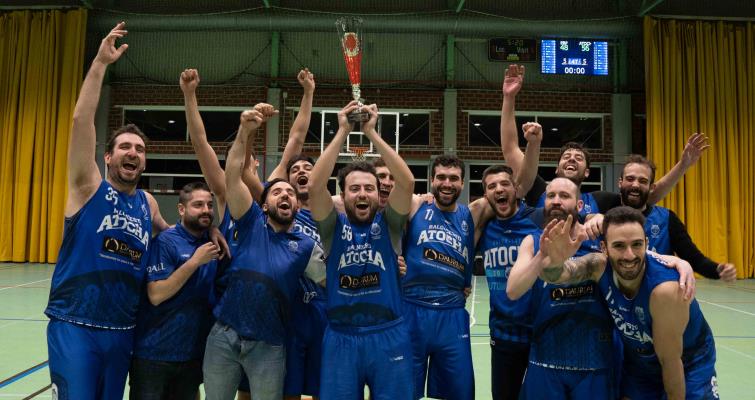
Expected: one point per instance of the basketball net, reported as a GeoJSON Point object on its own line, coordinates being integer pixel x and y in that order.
{"type": "Point", "coordinates": [359, 152]}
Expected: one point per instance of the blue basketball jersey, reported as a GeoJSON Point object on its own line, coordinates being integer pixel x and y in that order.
{"type": "Point", "coordinates": [227, 227]}
{"type": "Point", "coordinates": [176, 330]}
{"type": "Point", "coordinates": [590, 206]}
{"type": "Point", "coordinates": [439, 251]}
{"type": "Point", "coordinates": [499, 244]}
{"type": "Point", "coordinates": [102, 261]}
{"type": "Point", "coordinates": [362, 275]}
{"type": "Point", "coordinates": [635, 323]}
{"type": "Point", "coordinates": [262, 278]}
{"type": "Point", "coordinates": [571, 328]}
{"type": "Point", "coordinates": [656, 230]}
{"type": "Point", "coordinates": [306, 225]}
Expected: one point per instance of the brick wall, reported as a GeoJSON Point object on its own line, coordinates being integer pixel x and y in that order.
{"type": "Point", "coordinates": [385, 98]}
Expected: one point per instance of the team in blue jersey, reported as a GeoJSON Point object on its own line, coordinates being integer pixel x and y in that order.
{"type": "Point", "coordinates": [176, 316]}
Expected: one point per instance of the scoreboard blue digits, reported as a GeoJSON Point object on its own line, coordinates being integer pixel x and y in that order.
{"type": "Point", "coordinates": [574, 57]}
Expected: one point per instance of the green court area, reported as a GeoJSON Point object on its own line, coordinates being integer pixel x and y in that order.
{"type": "Point", "coordinates": [729, 309]}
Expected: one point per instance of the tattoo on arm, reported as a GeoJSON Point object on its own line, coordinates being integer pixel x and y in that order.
{"type": "Point", "coordinates": [577, 269]}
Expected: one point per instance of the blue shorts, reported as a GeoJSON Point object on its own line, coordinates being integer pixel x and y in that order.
{"type": "Point", "coordinates": [441, 336]}
{"type": "Point", "coordinates": [556, 384]}
{"type": "Point", "coordinates": [380, 358]}
{"type": "Point", "coordinates": [508, 362]}
{"type": "Point", "coordinates": [86, 362]}
{"type": "Point", "coordinates": [304, 349]}
{"type": "Point", "coordinates": [701, 384]}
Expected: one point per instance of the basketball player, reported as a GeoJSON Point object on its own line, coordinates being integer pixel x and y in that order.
{"type": "Point", "coordinates": [367, 341]}
{"type": "Point", "coordinates": [102, 261]}
{"type": "Point", "coordinates": [669, 348]}
{"type": "Point", "coordinates": [172, 326]}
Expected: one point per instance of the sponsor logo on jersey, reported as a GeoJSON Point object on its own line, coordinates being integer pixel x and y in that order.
{"type": "Point", "coordinates": [464, 227]}
{"type": "Point", "coordinates": [655, 230]}
{"type": "Point", "coordinates": [432, 255]}
{"type": "Point", "coordinates": [361, 255]}
{"type": "Point", "coordinates": [119, 220]}
{"type": "Point", "coordinates": [639, 312]}
{"type": "Point", "coordinates": [292, 246]}
{"type": "Point", "coordinates": [572, 292]}
{"type": "Point", "coordinates": [441, 234]}
{"type": "Point", "coordinates": [121, 248]}
{"type": "Point", "coordinates": [375, 231]}
{"type": "Point", "coordinates": [352, 282]}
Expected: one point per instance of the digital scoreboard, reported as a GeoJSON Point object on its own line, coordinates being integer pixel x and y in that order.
{"type": "Point", "coordinates": [573, 57]}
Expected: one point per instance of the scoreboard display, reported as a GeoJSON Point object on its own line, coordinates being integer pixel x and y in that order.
{"type": "Point", "coordinates": [574, 57]}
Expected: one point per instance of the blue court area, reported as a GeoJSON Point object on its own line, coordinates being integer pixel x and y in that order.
{"type": "Point", "coordinates": [729, 309]}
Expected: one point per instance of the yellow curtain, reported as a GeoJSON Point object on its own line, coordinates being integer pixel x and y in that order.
{"type": "Point", "coordinates": [41, 69]}
{"type": "Point", "coordinates": [700, 77]}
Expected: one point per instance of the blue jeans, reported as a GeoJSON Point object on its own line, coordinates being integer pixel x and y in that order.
{"type": "Point", "coordinates": [227, 356]}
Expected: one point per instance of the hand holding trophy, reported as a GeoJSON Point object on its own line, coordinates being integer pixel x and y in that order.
{"type": "Point", "coordinates": [349, 31]}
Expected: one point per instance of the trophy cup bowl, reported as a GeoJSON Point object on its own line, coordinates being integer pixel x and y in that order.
{"type": "Point", "coordinates": [350, 35]}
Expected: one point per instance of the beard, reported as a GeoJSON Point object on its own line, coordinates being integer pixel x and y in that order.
{"type": "Point", "coordinates": [634, 268]}
{"type": "Point", "coordinates": [196, 224]}
{"type": "Point", "coordinates": [511, 206]}
{"type": "Point", "coordinates": [351, 212]}
{"type": "Point", "coordinates": [634, 202]}
{"type": "Point", "coordinates": [435, 190]}
{"type": "Point", "coordinates": [273, 214]}
{"type": "Point", "coordinates": [115, 175]}
{"type": "Point", "coordinates": [560, 214]}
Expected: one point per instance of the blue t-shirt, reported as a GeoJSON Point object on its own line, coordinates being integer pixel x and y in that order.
{"type": "Point", "coordinates": [571, 328]}
{"type": "Point", "coordinates": [262, 278]}
{"type": "Point", "coordinates": [590, 206]}
{"type": "Point", "coordinates": [227, 228]}
{"type": "Point", "coordinates": [499, 244]}
{"type": "Point", "coordinates": [102, 261]}
{"type": "Point", "coordinates": [176, 330]}
{"type": "Point", "coordinates": [363, 276]}
{"type": "Point", "coordinates": [635, 323]}
{"type": "Point", "coordinates": [439, 251]}
{"type": "Point", "coordinates": [656, 230]}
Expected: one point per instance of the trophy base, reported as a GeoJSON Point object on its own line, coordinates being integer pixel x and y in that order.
{"type": "Point", "coordinates": [358, 117]}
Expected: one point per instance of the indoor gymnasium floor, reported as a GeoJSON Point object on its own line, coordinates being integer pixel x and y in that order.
{"type": "Point", "coordinates": [729, 309]}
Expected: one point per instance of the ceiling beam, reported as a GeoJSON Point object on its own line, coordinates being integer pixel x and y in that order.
{"type": "Point", "coordinates": [646, 8]}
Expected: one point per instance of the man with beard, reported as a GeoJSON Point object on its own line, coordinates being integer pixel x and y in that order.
{"type": "Point", "coordinates": [172, 326]}
{"type": "Point", "coordinates": [254, 311]}
{"type": "Point", "coordinates": [665, 231]}
{"type": "Point", "coordinates": [510, 321]}
{"type": "Point", "coordinates": [439, 249]}
{"type": "Point", "coordinates": [574, 159]}
{"type": "Point", "coordinates": [669, 348]}
{"type": "Point", "coordinates": [571, 347]}
{"type": "Point", "coordinates": [367, 340]}
{"type": "Point", "coordinates": [102, 261]}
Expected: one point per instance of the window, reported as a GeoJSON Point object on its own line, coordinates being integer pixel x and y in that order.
{"type": "Point", "coordinates": [558, 129]}
{"type": "Point", "coordinates": [168, 123]}
{"type": "Point", "coordinates": [420, 172]}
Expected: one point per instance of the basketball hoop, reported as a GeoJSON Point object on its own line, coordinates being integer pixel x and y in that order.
{"type": "Point", "coordinates": [359, 152]}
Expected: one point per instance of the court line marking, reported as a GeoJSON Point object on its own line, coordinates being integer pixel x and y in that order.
{"type": "Point", "coordinates": [723, 306]}
{"type": "Point", "coordinates": [38, 392]}
{"type": "Point", "coordinates": [17, 321]}
{"type": "Point", "coordinates": [472, 319]}
{"type": "Point", "coordinates": [24, 319]}
{"type": "Point", "coordinates": [23, 284]}
{"type": "Point", "coordinates": [23, 374]}
{"type": "Point", "coordinates": [735, 351]}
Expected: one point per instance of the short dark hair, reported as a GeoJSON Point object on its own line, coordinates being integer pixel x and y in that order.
{"type": "Point", "coordinates": [639, 159]}
{"type": "Point", "coordinates": [622, 215]}
{"type": "Point", "coordinates": [269, 185]}
{"type": "Point", "coordinates": [497, 169]}
{"type": "Point", "coordinates": [362, 166]}
{"type": "Point", "coordinates": [447, 160]}
{"type": "Point", "coordinates": [185, 194]}
{"type": "Point", "coordinates": [575, 146]}
{"type": "Point", "coordinates": [379, 162]}
{"type": "Point", "coordinates": [128, 128]}
{"type": "Point", "coordinates": [297, 158]}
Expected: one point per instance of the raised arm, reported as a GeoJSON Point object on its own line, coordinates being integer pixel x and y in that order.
{"type": "Point", "coordinates": [400, 199]}
{"type": "Point", "coordinates": [320, 202]}
{"type": "Point", "coordinates": [525, 177]}
{"type": "Point", "coordinates": [670, 314]}
{"type": "Point", "coordinates": [693, 150]}
{"type": "Point", "coordinates": [298, 132]}
{"type": "Point", "coordinates": [83, 175]}
{"type": "Point", "coordinates": [481, 212]}
{"type": "Point", "coordinates": [238, 196]}
{"type": "Point", "coordinates": [558, 244]}
{"type": "Point", "coordinates": [512, 83]}
{"type": "Point", "coordinates": [526, 269]}
{"type": "Point", "coordinates": [208, 160]}
{"type": "Point", "coordinates": [249, 175]}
